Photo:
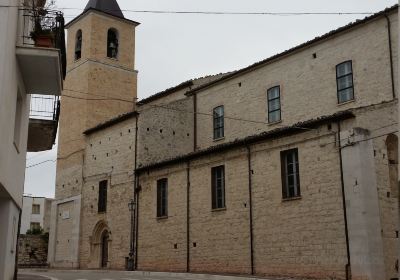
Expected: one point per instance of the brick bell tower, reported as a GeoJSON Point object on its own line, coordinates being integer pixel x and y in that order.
{"type": "Point", "coordinates": [101, 83]}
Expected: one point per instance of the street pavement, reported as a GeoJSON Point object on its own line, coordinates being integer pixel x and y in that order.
{"type": "Point", "coordinates": [121, 275]}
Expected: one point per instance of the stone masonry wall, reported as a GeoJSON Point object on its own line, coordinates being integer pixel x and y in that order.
{"type": "Point", "coordinates": [308, 85]}
{"type": "Point", "coordinates": [109, 156]}
{"type": "Point", "coordinates": [381, 121]}
{"type": "Point", "coordinates": [304, 237]}
{"type": "Point", "coordinates": [165, 132]}
{"type": "Point", "coordinates": [32, 250]}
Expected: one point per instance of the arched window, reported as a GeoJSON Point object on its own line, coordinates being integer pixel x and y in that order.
{"type": "Point", "coordinates": [112, 43]}
{"type": "Point", "coordinates": [78, 45]}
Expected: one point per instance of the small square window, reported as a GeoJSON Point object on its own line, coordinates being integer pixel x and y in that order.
{"type": "Point", "coordinates": [35, 208]}
{"type": "Point", "coordinates": [35, 226]}
{"type": "Point", "coordinates": [344, 80]}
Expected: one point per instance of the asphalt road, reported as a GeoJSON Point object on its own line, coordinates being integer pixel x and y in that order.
{"type": "Point", "coordinates": [114, 275]}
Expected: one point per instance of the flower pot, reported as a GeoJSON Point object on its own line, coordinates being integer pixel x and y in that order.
{"type": "Point", "coordinates": [44, 41]}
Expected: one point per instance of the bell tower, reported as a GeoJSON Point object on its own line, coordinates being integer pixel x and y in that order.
{"type": "Point", "coordinates": [101, 83]}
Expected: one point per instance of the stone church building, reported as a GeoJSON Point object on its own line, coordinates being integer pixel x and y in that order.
{"type": "Point", "coordinates": [287, 167]}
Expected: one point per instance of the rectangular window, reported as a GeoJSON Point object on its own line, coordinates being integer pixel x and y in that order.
{"type": "Point", "coordinates": [218, 187]}
{"type": "Point", "coordinates": [35, 208]}
{"type": "Point", "coordinates": [218, 116]}
{"type": "Point", "coordinates": [35, 226]}
{"type": "Point", "coordinates": [102, 206]}
{"type": "Point", "coordinates": [290, 173]}
{"type": "Point", "coordinates": [274, 104]}
{"type": "Point", "coordinates": [162, 198]}
{"type": "Point", "coordinates": [344, 79]}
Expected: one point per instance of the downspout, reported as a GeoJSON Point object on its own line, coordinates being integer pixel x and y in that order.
{"type": "Point", "coordinates": [133, 227]}
{"type": "Point", "coordinates": [188, 218]}
{"type": "Point", "coordinates": [135, 198]}
{"type": "Point", "coordinates": [250, 210]}
{"type": "Point", "coordinates": [195, 122]}
{"type": "Point", "coordinates": [17, 246]}
{"type": "Point", "coordinates": [391, 54]}
{"type": "Point", "coordinates": [137, 191]}
{"type": "Point", "coordinates": [348, 265]}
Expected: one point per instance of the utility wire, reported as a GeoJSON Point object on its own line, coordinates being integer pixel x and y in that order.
{"type": "Point", "coordinates": [325, 144]}
{"type": "Point", "coordinates": [169, 108]}
{"type": "Point", "coordinates": [207, 12]}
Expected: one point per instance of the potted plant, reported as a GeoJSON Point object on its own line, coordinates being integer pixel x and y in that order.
{"type": "Point", "coordinates": [43, 33]}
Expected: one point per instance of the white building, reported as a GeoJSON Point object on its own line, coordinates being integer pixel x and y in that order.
{"type": "Point", "coordinates": [25, 70]}
{"type": "Point", "coordinates": [35, 214]}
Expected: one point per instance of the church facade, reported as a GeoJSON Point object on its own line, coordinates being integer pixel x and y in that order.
{"type": "Point", "coordinates": [288, 167]}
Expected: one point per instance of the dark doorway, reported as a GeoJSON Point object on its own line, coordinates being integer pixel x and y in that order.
{"type": "Point", "coordinates": [104, 249]}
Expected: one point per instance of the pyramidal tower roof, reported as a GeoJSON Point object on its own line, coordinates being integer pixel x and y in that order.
{"type": "Point", "coordinates": [107, 6]}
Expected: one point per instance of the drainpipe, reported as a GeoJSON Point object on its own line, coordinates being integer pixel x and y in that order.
{"type": "Point", "coordinates": [390, 54]}
{"type": "Point", "coordinates": [137, 191]}
{"type": "Point", "coordinates": [250, 210]}
{"type": "Point", "coordinates": [348, 265]}
{"type": "Point", "coordinates": [188, 218]}
{"type": "Point", "coordinates": [195, 122]}
{"type": "Point", "coordinates": [135, 198]}
{"type": "Point", "coordinates": [17, 246]}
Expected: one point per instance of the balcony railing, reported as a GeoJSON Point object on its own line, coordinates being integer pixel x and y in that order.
{"type": "Point", "coordinates": [45, 107]}
{"type": "Point", "coordinates": [45, 28]}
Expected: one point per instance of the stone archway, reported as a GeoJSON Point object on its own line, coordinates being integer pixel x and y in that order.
{"type": "Point", "coordinates": [100, 244]}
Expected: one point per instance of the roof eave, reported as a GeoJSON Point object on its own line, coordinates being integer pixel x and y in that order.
{"type": "Point", "coordinates": [294, 49]}
{"type": "Point", "coordinates": [276, 133]}
{"type": "Point", "coordinates": [84, 13]}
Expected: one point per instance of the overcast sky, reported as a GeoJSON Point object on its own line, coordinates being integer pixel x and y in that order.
{"type": "Point", "coordinates": [172, 48]}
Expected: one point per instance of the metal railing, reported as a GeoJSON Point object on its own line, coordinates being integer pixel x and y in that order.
{"type": "Point", "coordinates": [45, 107]}
{"type": "Point", "coordinates": [41, 22]}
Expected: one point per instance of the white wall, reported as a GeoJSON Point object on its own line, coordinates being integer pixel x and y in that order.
{"type": "Point", "coordinates": [12, 155]}
{"type": "Point", "coordinates": [12, 159]}
{"type": "Point", "coordinates": [9, 216]}
{"type": "Point", "coordinates": [27, 217]}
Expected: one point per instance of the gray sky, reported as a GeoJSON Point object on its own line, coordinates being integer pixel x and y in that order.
{"type": "Point", "coordinates": [172, 48]}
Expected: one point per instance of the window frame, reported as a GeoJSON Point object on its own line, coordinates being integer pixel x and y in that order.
{"type": "Point", "coordinates": [162, 198]}
{"type": "Point", "coordinates": [116, 33]}
{"type": "Point", "coordinates": [34, 226]}
{"type": "Point", "coordinates": [214, 188]}
{"type": "Point", "coordinates": [221, 127]}
{"type": "Point", "coordinates": [33, 207]}
{"type": "Point", "coordinates": [102, 197]}
{"type": "Point", "coordinates": [77, 35]}
{"type": "Point", "coordinates": [340, 77]}
{"type": "Point", "coordinates": [272, 99]}
{"type": "Point", "coordinates": [285, 175]}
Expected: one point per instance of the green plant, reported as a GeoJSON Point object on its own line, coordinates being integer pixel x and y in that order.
{"type": "Point", "coordinates": [35, 231]}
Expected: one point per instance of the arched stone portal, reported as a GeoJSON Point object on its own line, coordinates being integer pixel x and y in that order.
{"type": "Point", "coordinates": [99, 246]}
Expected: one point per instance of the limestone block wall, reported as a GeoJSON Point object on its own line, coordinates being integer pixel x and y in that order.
{"type": "Point", "coordinates": [305, 82]}
{"type": "Point", "coordinates": [109, 155]}
{"type": "Point", "coordinates": [165, 131]}
{"type": "Point", "coordinates": [162, 241]}
{"type": "Point", "coordinates": [32, 250]}
{"type": "Point", "coordinates": [381, 122]}
{"type": "Point", "coordinates": [303, 237]}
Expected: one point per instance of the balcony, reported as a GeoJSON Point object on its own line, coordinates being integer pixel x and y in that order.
{"type": "Point", "coordinates": [43, 122]}
{"type": "Point", "coordinates": [41, 51]}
